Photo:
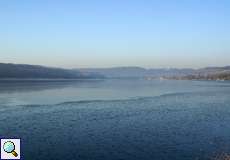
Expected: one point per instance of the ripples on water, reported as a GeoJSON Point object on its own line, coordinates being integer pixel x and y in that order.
{"type": "Point", "coordinates": [118, 119]}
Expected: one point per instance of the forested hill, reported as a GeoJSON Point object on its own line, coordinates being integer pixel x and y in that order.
{"type": "Point", "coordinates": [24, 71]}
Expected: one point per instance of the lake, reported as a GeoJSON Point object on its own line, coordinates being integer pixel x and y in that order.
{"type": "Point", "coordinates": [117, 119]}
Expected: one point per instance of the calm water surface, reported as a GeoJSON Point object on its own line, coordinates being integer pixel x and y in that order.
{"type": "Point", "coordinates": [117, 119]}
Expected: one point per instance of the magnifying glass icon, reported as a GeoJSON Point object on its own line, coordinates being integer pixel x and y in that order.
{"type": "Point", "coordinates": [9, 147]}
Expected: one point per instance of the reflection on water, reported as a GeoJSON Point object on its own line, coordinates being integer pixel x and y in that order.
{"type": "Point", "coordinates": [117, 119]}
{"type": "Point", "coordinates": [53, 92]}
{"type": "Point", "coordinates": [39, 85]}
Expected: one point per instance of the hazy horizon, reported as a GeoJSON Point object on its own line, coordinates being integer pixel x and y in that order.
{"type": "Point", "coordinates": [110, 67]}
{"type": "Point", "coordinates": [104, 34]}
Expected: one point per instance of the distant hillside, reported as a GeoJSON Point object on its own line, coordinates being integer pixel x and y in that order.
{"type": "Point", "coordinates": [211, 73]}
{"type": "Point", "coordinates": [22, 71]}
{"type": "Point", "coordinates": [137, 72]}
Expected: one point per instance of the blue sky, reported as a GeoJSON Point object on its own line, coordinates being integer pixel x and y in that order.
{"type": "Point", "coordinates": [106, 33]}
